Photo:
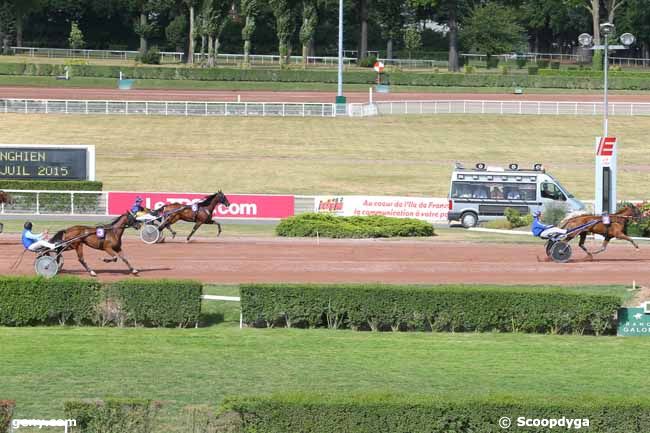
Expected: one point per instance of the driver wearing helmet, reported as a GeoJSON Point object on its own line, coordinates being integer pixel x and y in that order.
{"type": "Point", "coordinates": [33, 242]}
{"type": "Point", "coordinates": [544, 231]}
{"type": "Point", "coordinates": [141, 213]}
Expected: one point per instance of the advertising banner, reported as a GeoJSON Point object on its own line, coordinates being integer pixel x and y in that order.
{"type": "Point", "coordinates": [47, 162]}
{"type": "Point", "coordinates": [425, 208]}
{"type": "Point", "coordinates": [634, 321]}
{"type": "Point", "coordinates": [241, 205]}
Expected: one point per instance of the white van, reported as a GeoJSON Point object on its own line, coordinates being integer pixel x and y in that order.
{"type": "Point", "coordinates": [483, 193]}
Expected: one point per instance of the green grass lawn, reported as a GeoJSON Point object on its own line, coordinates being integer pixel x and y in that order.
{"type": "Point", "coordinates": [42, 367]}
{"type": "Point", "coordinates": [407, 155]}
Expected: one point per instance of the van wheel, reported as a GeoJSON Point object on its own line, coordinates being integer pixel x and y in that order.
{"type": "Point", "coordinates": [469, 219]}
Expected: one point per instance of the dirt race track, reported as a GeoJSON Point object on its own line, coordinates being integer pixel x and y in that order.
{"type": "Point", "coordinates": [239, 260]}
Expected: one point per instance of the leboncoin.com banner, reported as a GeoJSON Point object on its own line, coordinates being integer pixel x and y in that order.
{"type": "Point", "coordinates": [424, 208]}
{"type": "Point", "coordinates": [241, 205]}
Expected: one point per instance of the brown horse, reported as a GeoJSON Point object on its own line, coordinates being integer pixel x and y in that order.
{"type": "Point", "coordinates": [199, 213]}
{"type": "Point", "coordinates": [107, 238]}
{"type": "Point", "coordinates": [5, 198]}
{"type": "Point", "coordinates": [616, 229]}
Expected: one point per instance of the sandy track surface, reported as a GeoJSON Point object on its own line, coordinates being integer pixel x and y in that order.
{"type": "Point", "coordinates": [286, 96]}
{"type": "Point", "coordinates": [239, 260]}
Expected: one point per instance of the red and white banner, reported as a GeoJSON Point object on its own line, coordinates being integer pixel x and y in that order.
{"type": "Point", "coordinates": [241, 205]}
{"type": "Point", "coordinates": [424, 208]}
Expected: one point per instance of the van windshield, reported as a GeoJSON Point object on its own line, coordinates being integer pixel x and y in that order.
{"type": "Point", "coordinates": [559, 185]}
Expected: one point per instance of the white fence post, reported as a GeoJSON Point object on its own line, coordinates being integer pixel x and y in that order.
{"type": "Point", "coordinates": [38, 204]}
{"type": "Point", "coordinates": [72, 203]}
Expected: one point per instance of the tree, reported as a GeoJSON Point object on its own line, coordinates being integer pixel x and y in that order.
{"type": "Point", "coordinates": [389, 16]}
{"type": "Point", "coordinates": [364, 8]}
{"type": "Point", "coordinates": [76, 38]}
{"type": "Point", "coordinates": [412, 39]}
{"type": "Point", "coordinates": [176, 32]}
{"type": "Point", "coordinates": [23, 8]}
{"type": "Point", "coordinates": [492, 29]}
{"type": "Point", "coordinates": [191, 5]}
{"type": "Point", "coordinates": [285, 26]}
{"type": "Point", "coordinates": [308, 28]}
{"type": "Point", "coordinates": [215, 16]}
{"type": "Point", "coordinates": [6, 27]}
{"type": "Point", "coordinates": [249, 9]}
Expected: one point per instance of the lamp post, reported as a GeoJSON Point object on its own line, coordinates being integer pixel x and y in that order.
{"type": "Point", "coordinates": [605, 200]}
{"type": "Point", "coordinates": [340, 99]}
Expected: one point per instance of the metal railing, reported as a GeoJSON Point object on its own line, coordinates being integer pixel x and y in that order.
{"type": "Point", "coordinates": [499, 107]}
{"type": "Point", "coordinates": [165, 56]}
{"type": "Point", "coordinates": [271, 59]}
{"type": "Point", "coordinates": [168, 108]}
{"type": "Point", "coordinates": [37, 202]}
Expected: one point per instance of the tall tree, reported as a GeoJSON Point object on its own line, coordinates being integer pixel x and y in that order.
{"type": "Point", "coordinates": [6, 26]}
{"type": "Point", "coordinates": [249, 9]}
{"type": "Point", "coordinates": [192, 5]}
{"type": "Point", "coordinates": [285, 26]}
{"type": "Point", "coordinates": [308, 28]}
{"type": "Point", "coordinates": [23, 8]}
{"type": "Point", "coordinates": [364, 9]}
{"type": "Point", "coordinates": [390, 17]}
{"type": "Point", "coordinates": [493, 29]}
{"type": "Point", "coordinates": [217, 14]}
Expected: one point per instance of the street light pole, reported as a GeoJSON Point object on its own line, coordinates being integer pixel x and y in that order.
{"type": "Point", "coordinates": [605, 69]}
{"type": "Point", "coordinates": [339, 91]}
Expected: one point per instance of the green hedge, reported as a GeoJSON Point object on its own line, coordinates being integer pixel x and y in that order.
{"type": "Point", "coordinates": [112, 415]}
{"type": "Point", "coordinates": [437, 308]}
{"type": "Point", "coordinates": [6, 413]}
{"type": "Point", "coordinates": [546, 78]}
{"type": "Point", "coordinates": [31, 300]}
{"type": "Point", "coordinates": [408, 414]}
{"type": "Point", "coordinates": [52, 185]}
{"type": "Point", "coordinates": [159, 303]}
{"type": "Point", "coordinates": [331, 226]}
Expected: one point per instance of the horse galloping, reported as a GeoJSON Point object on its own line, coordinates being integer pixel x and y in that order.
{"type": "Point", "coordinates": [199, 213]}
{"type": "Point", "coordinates": [107, 238]}
{"type": "Point", "coordinates": [616, 228]}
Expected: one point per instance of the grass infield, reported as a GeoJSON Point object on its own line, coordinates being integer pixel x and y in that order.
{"type": "Point", "coordinates": [44, 366]}
{"type": "Point", "coordinates": [409, 155]}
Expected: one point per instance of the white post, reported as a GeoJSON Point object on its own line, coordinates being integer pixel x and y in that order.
{"type": "Point", "coordinates": [38, 204]}
{"type": "Point", "coordinates": [370, 95]}
{"type": "Point", "coordinates": [72, 203]}
{"type": "Point", "coordinates": [339, 85]}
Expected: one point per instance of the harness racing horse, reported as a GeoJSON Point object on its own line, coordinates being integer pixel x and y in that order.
{"type": "Point", "coordinates": [106, 238]}
{"type": "Point", "coordinates": [616, 229]}
{"type": "Point", "coordinates": [5, 198]}
{"type": "Point", "coordinates": [199, 213]}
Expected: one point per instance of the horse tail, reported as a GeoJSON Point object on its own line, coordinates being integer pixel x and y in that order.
{"type": "Point", "coordinates": [58, 237]}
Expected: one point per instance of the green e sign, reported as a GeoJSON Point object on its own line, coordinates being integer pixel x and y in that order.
{"type": "Point", "coordinates": [633, 322]}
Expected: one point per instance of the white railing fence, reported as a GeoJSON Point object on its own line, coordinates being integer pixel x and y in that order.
{"type": "Point", "coordinates": [38, 202]}
{"type": "Point", "coordinates": [168, 108]}
{"type": "Point", "coordinates": [68, 53]}
{"type": "Point", "coordinates": [499, 107]}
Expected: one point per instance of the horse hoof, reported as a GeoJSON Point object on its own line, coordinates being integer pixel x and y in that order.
{"type": "Point", "coordinates": [134, 272]}
{"type": "Point", "coordinates": [173, 235]}
{"type": "Point", "coordinates": [93, 274]}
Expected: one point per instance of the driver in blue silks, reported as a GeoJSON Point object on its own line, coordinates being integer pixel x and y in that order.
{"type": "Point", "coordinates": [33, 242]}
{"type": "Point", "coordinates": [544, 231]}
{"type": "Point", "coordinates": [137, 206]}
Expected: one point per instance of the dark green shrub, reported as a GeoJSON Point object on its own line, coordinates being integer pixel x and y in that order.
{"type": "Point", "coordinates": [555, 64]}
{"type": "Point", "coordinates": [6, 413]}
{"type": "Point", "coordinates": [516, 219]}
{"type": "Point", "coordinates": [331, 226]}
{"type": "Point", "coordinates": [521, 62]}
{"type": "Point", "coordinates": [158, 302]}
{"type": "Point", "coordinates": [150, 57]}
{"type": "Point", "coordinates": [533, 70]}
{"type": "Point", "coordinates": [439, 308]}
{"type": "Point", "coordinates": [32, 300]}
{"type": "Point", "coordinates": [492, 62]}
{"type": "Point", "coordinates": [554, 214]}
{"type": "Point", "coordinates": [369, 413]}
{"type": "Point", "coordinates": [543, 64]}
{"type": "Point", "coordinates": [52, 185]}
{"type": "Point", "coordinates": [597, 61]}
{"type": "Point", "coordinates": [113, 415]}
{"type": "Point", "coordinates": [367, 62]}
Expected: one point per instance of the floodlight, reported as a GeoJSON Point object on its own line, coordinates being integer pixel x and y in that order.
{"type": "Point", "coordinates": [585, 39]}
{"type": "Point", "coordinates": [538, 167]}
{"type": "Point", "coordinates": [480, 166]}
{"type": "Point", "coordinates": [627, 39]}
{"type": "Point", "coordinates": [607, 28]}
{"type": "Point", "coordinates": [513, 166]}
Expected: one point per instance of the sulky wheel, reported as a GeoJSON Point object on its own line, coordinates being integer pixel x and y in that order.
{"type": "Point", "coordinates": [58, 257]}
{"type": "Point", "coordinates": [548, 246]}
{"type": "Point", "coordinates": [561, 252]}
{"type": "Point", "coordinates": [46, 266]}
{"type": "Point", "coordinates": [149, 234]}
